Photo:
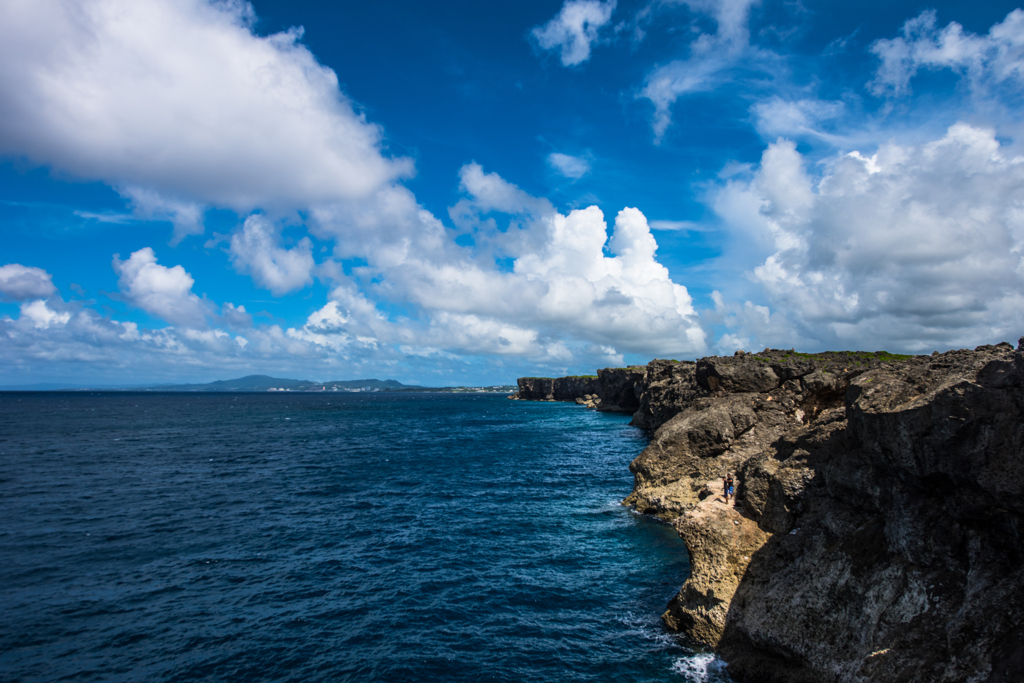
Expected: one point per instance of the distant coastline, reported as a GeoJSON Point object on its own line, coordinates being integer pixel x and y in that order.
{"type": "Point", "coordinates": [265, 383]}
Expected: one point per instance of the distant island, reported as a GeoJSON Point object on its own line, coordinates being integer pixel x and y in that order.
{"type": "Point", "coordinates": [267, 383]}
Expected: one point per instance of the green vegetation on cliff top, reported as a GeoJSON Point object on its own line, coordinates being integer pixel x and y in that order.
{"type": "Point", "coordinates": [856, 358]}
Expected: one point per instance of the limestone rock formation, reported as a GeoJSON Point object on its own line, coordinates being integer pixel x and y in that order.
{"type": "Point", "coordinates": [878, 535]}
{"type": "Point", "coordinates": [556, 389]}
{"type": "Point", "coordinates": [620, 388]}
{"type": "Point", "coordinates": [667, 387]}
{"type": "Point", "coordinates": [612, 389]}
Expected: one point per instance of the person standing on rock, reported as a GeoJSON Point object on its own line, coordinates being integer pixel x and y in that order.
{"type": "Point", "coordinates": [727, 485]}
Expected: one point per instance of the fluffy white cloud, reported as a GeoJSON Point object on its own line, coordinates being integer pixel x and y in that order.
{"type": "Point", "coordinates": [20, 282]}
{"type": "Point", "coordinates": [179, 105]}
{"type": "Point", "coordinates": [751, 326]}
{"type": "Point", "coordinates": [491, 192]}
{"type": "Point", "coordinates": [558, 288]}
{"type": "Point", "coordinates": [160, 291]}
{"type": "Point", "coordinates": [255, 250]}
{"type": "Point", "coordinates": [986, 60]}
{"type": "Point", "coordinates": [569, 166]}
{"type": "Point", "coordinates": [914, 247]}
{"type": "Point", "coordinates": [574, 29]}
{"type": "Point", "coordinates": [78, 346]}
{"type": "Point", "coordinates": [42, 316]}
{"type": "Point", "coordinates": [711, 55]}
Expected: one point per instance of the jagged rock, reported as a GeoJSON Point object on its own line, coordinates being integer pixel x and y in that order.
{"type": "Point", "coordinates": [721, 542]}
{"type": "Point", "coordinates": [822, 384]}
{"type": "Point", "coordinates": [620, 388]}
{"type": "Point", "coordinates": [536, 389]}
{"type": "Point", "coordinates": [667, 389]}
{"type": "Point", "coordinates": [699, 445]}
{"type": "Point", "coordinates": [556, 389]}
{"type": "Point", "coordinates": [735, 374]}
{"type": "Point", "coordinates": [888, 518]}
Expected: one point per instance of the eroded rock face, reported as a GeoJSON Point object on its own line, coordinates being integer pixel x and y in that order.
{"type": "Point", "coordinates": [571, 388]}
{"type": "Point", "coordinates": [620, 388]}
{"type": "Point", "coordinates": [668, 387]}
{"type": "Point", "coordinates": [879, 531]}
{"type": "Point", "coordinates": [556, 389]}
{"type": "Point", "coordinates": [535, 389]}
{"type": "Point", "coordinates": [737, 374]}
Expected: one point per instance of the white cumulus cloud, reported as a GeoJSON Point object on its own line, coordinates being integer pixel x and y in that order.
{"type": "Point", "coordinates": [255, 250]}
{"type": "Point", "coordinates": [42, 316]}
{"type": "Point", "coordinates": [912, 247]}
{"type": "Point", "coordinates": [160, 291]}
{"type": "Point", "coordinates": [179, 105]}
{"type": "Point", "coordinates": [572, 31]}
{"type": "Point", "coordinates": [235, 316]}
{"type": "Point", "coordinates": [559, 290]}
{"type": "Point", "coordinates": [20, 282]}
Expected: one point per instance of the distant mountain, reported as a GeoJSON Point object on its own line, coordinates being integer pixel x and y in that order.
{"type": "Point", "coordinates": [249, 383]}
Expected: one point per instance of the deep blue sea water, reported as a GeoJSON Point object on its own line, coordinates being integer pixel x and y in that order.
{"type": "Point", "coordinates": [341, 537]}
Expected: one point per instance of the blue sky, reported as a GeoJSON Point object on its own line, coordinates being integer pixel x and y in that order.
{"type": "Point", "coordinates": [463, 193]}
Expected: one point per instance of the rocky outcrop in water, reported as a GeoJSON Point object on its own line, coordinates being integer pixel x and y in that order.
{"type": "Point", "coordinates": [878, 531]}
{"type": "Point", "coordinates": [612, 389]}
{"type": "Point", "coordinates": [620, 388]}
{"type": "Point", "coordinates": [556, 388]}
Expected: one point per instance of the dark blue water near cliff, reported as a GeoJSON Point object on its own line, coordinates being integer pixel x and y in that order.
{"type": "Point", "coordinates": [343, 537]}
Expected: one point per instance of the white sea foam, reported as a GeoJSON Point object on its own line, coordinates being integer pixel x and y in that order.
{"type": "Point", "coordinates": [647, 627]}
{"type": "Point", "coordinates": [700, 668]}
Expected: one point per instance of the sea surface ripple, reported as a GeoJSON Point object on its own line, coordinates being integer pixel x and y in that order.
{"type": "Point", "coordinates": [328, 537]}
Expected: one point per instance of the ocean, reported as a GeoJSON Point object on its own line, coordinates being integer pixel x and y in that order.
{"type": "Point", "coordinates": [329, 537]}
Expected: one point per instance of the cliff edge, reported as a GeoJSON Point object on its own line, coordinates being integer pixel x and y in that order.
{"type": "Point", "coordinates": [611, 389]}
{"type": "Point", "coordinates": [876, 534]}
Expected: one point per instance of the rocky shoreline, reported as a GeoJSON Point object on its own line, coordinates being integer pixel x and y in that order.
{"type": "Point", "coordinates": [876, 534]}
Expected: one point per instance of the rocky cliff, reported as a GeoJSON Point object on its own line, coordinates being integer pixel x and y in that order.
{"type": "Point", "coordinates": [556, 388]}
{"type": "Point", "coordinates": [620, 388]}
{"type": "Point", "coordinates": [612, 389]}
{"type": "Point", "coordinates": [878, 530]}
